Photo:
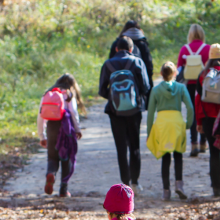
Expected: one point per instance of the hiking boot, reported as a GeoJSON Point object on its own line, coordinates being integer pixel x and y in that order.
{"type": "Point", "coordinates": [166, 195]}
{"type": "Point", "coordinates": [194, 150]}
{"type": "Point", "coordinates": [179, 189]}
{"type": "Point", "coordinates": [203, 147]}
{"type": "Point", "coordinates": [216, 192]}
{"type": "Point", "coordinates": [50, 179]}
{"type": "Point", "coordinates": [67, 194]}
{"type": "Point", "coordinates": [137, 189]}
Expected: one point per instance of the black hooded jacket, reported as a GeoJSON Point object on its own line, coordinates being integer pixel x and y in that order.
{"type": "Point", "coordinates": [140, 41]}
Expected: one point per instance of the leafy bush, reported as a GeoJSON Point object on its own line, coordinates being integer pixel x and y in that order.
{"type": "Point", "coordinates": [40, 40]}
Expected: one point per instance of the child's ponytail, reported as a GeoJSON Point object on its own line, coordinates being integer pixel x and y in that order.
{"type": "Point", "coordinates": [78, 97]}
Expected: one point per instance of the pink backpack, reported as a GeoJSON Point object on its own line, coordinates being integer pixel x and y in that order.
{"type": "Point", "coordinates": [52, 107]}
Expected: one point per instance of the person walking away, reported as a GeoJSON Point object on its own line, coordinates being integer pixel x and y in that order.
{"type": "Point", "coordinates": [207, 109]}
{"type": "Point", "coordinates": [58, 114]}
{"type": "Point", "coordinates": [119, 203]}
{"type": "Point", "coordinates": [168, 133]}
{"type": "Point", "coordinates": [196, 46]}
{"type": "Point", "coordinates": [141, 47]}
{"type": "Point", "coordinates": [124, 83]}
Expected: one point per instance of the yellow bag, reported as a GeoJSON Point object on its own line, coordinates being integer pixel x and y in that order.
{"type": "Point", "coordinates": [168, 134]}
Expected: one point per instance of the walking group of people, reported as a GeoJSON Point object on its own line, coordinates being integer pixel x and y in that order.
{"type": "Point", "coordinates": [126, 82]}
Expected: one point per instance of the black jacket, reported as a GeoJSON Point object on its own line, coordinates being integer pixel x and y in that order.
{"type": "Point", "coordinates": [137, 68]}
{"type": "Point", "coordinates": [142, 45]}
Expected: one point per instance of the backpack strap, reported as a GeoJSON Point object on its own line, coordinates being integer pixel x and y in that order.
{"type": "Point", "coordinates": [197, 52]}
{"type": "Point", "coordinates": [200, 49]}
{"type": "Point", "coordinates": [109, 65]}
{"type": "Point", "coordinates": [129, 63]}
{"type": "Point", "coordinates": [204, 110]}
{"type": "Point", "coordinates": [189, 49]}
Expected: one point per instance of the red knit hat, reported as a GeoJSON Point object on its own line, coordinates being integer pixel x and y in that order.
{"type": "Point", "coordinates": [119, 199]}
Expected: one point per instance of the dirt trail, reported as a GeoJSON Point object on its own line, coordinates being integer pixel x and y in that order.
{"type": "Point", "coordinates": [97, 169]}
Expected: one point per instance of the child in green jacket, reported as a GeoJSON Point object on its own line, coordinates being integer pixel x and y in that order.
{"type": "Point", "coordinates": [168, 133]}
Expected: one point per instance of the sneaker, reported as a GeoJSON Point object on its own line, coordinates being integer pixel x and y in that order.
{"type": "Point", "coordinates": [50, 179]}
{"type": "Point", "coordinates": [137, 189]}
{"type": "Point", "coordinates": [194, 151]}
{"type": "Point", "coordinates": [64, 190]}
{"type": "Point", "coordinates": [166, 195]}
{"type": "Point", "coordinates": [203, 147]}
{"type": "Point", "coordinates": [67, 194]}
{"type": "Point", "coordinates": [216, 192]}
{"type": "Point", "coordinates": [179, 189]}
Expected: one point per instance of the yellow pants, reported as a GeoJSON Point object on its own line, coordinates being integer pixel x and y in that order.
{"type": "Point", "coordinates": [168, 134]}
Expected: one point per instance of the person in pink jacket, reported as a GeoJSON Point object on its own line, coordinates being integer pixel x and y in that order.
{"type": "Point", "coordinates": [196, 41]}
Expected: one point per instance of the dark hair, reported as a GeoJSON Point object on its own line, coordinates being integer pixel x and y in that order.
{"type": "Point", "coordinates": [68, 82]}
{"type": "Point", "coordinates": [129, 24]}
{"type": "Point", "coordinates": [125, 43]}
{"type": "Point", "coordinates": [211, 63]}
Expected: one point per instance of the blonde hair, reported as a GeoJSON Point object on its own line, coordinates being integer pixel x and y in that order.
{"type": "Point", "coordinates": [196, 32]}
{"type": "Point", "coordinates": [167, 70]}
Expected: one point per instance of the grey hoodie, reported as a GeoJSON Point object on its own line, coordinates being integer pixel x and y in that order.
{"type": "Point", "coordinates": [134, 33]}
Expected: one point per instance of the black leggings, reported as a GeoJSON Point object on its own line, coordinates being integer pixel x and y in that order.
{"type": "Point", "coordinates": [126, 132]}
{"type": "Point", "coordinates": [178, 166]}
{"type": "Point", "coordinates": [53, 128]}
{"type": "Point", "coordinates": [194, 134]}
{"type": "Point", "coordinates": [214, 161]}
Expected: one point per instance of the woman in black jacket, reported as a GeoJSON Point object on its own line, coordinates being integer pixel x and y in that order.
{"type": "Point", "coordinates": [133, 30]}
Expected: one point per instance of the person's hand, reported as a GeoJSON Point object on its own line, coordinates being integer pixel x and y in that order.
{"type": "Point", "coordinates": [78, 135]}
{"type": "Point", "coordinates": [199, 128]}
{"type": "Point", "coordinates": [43, 143]}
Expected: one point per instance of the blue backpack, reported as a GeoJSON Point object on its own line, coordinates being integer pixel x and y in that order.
{"type": "Point", "coordinates": [123, 90]}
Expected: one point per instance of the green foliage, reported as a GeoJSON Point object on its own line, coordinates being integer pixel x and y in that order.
{"type": "Point", "coordinates": [40, 40]}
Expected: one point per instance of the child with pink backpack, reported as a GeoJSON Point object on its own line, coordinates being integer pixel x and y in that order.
{"type": "Point", "coordinates": [59, 117]}
{"type": "Point", "coordinates": [119, 203]}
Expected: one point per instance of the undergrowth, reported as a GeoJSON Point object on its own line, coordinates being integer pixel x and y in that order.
{"type": "Point", "coordinates": [40, 40]}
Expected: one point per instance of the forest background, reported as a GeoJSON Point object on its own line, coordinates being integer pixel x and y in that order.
{"type": "Point", "coordinates": [40, 40]}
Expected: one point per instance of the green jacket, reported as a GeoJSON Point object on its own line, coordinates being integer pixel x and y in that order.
{"type": "Point", "coordinates": [169, 96]}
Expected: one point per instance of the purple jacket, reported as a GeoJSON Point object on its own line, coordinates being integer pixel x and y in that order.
{"type": "Point", "coordinates": [67, 142]}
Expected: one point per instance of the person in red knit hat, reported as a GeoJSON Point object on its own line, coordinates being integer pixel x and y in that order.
{"type": "Point", "coordinates": [206, 113]}
{"type": "Point", "coordinates": [119, 202]}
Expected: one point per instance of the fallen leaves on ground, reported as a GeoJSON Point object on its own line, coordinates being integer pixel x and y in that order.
{"type": "Point", "coordinates": [21, 207]}
{"type": "Point", "coordinates": [14, 158]}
